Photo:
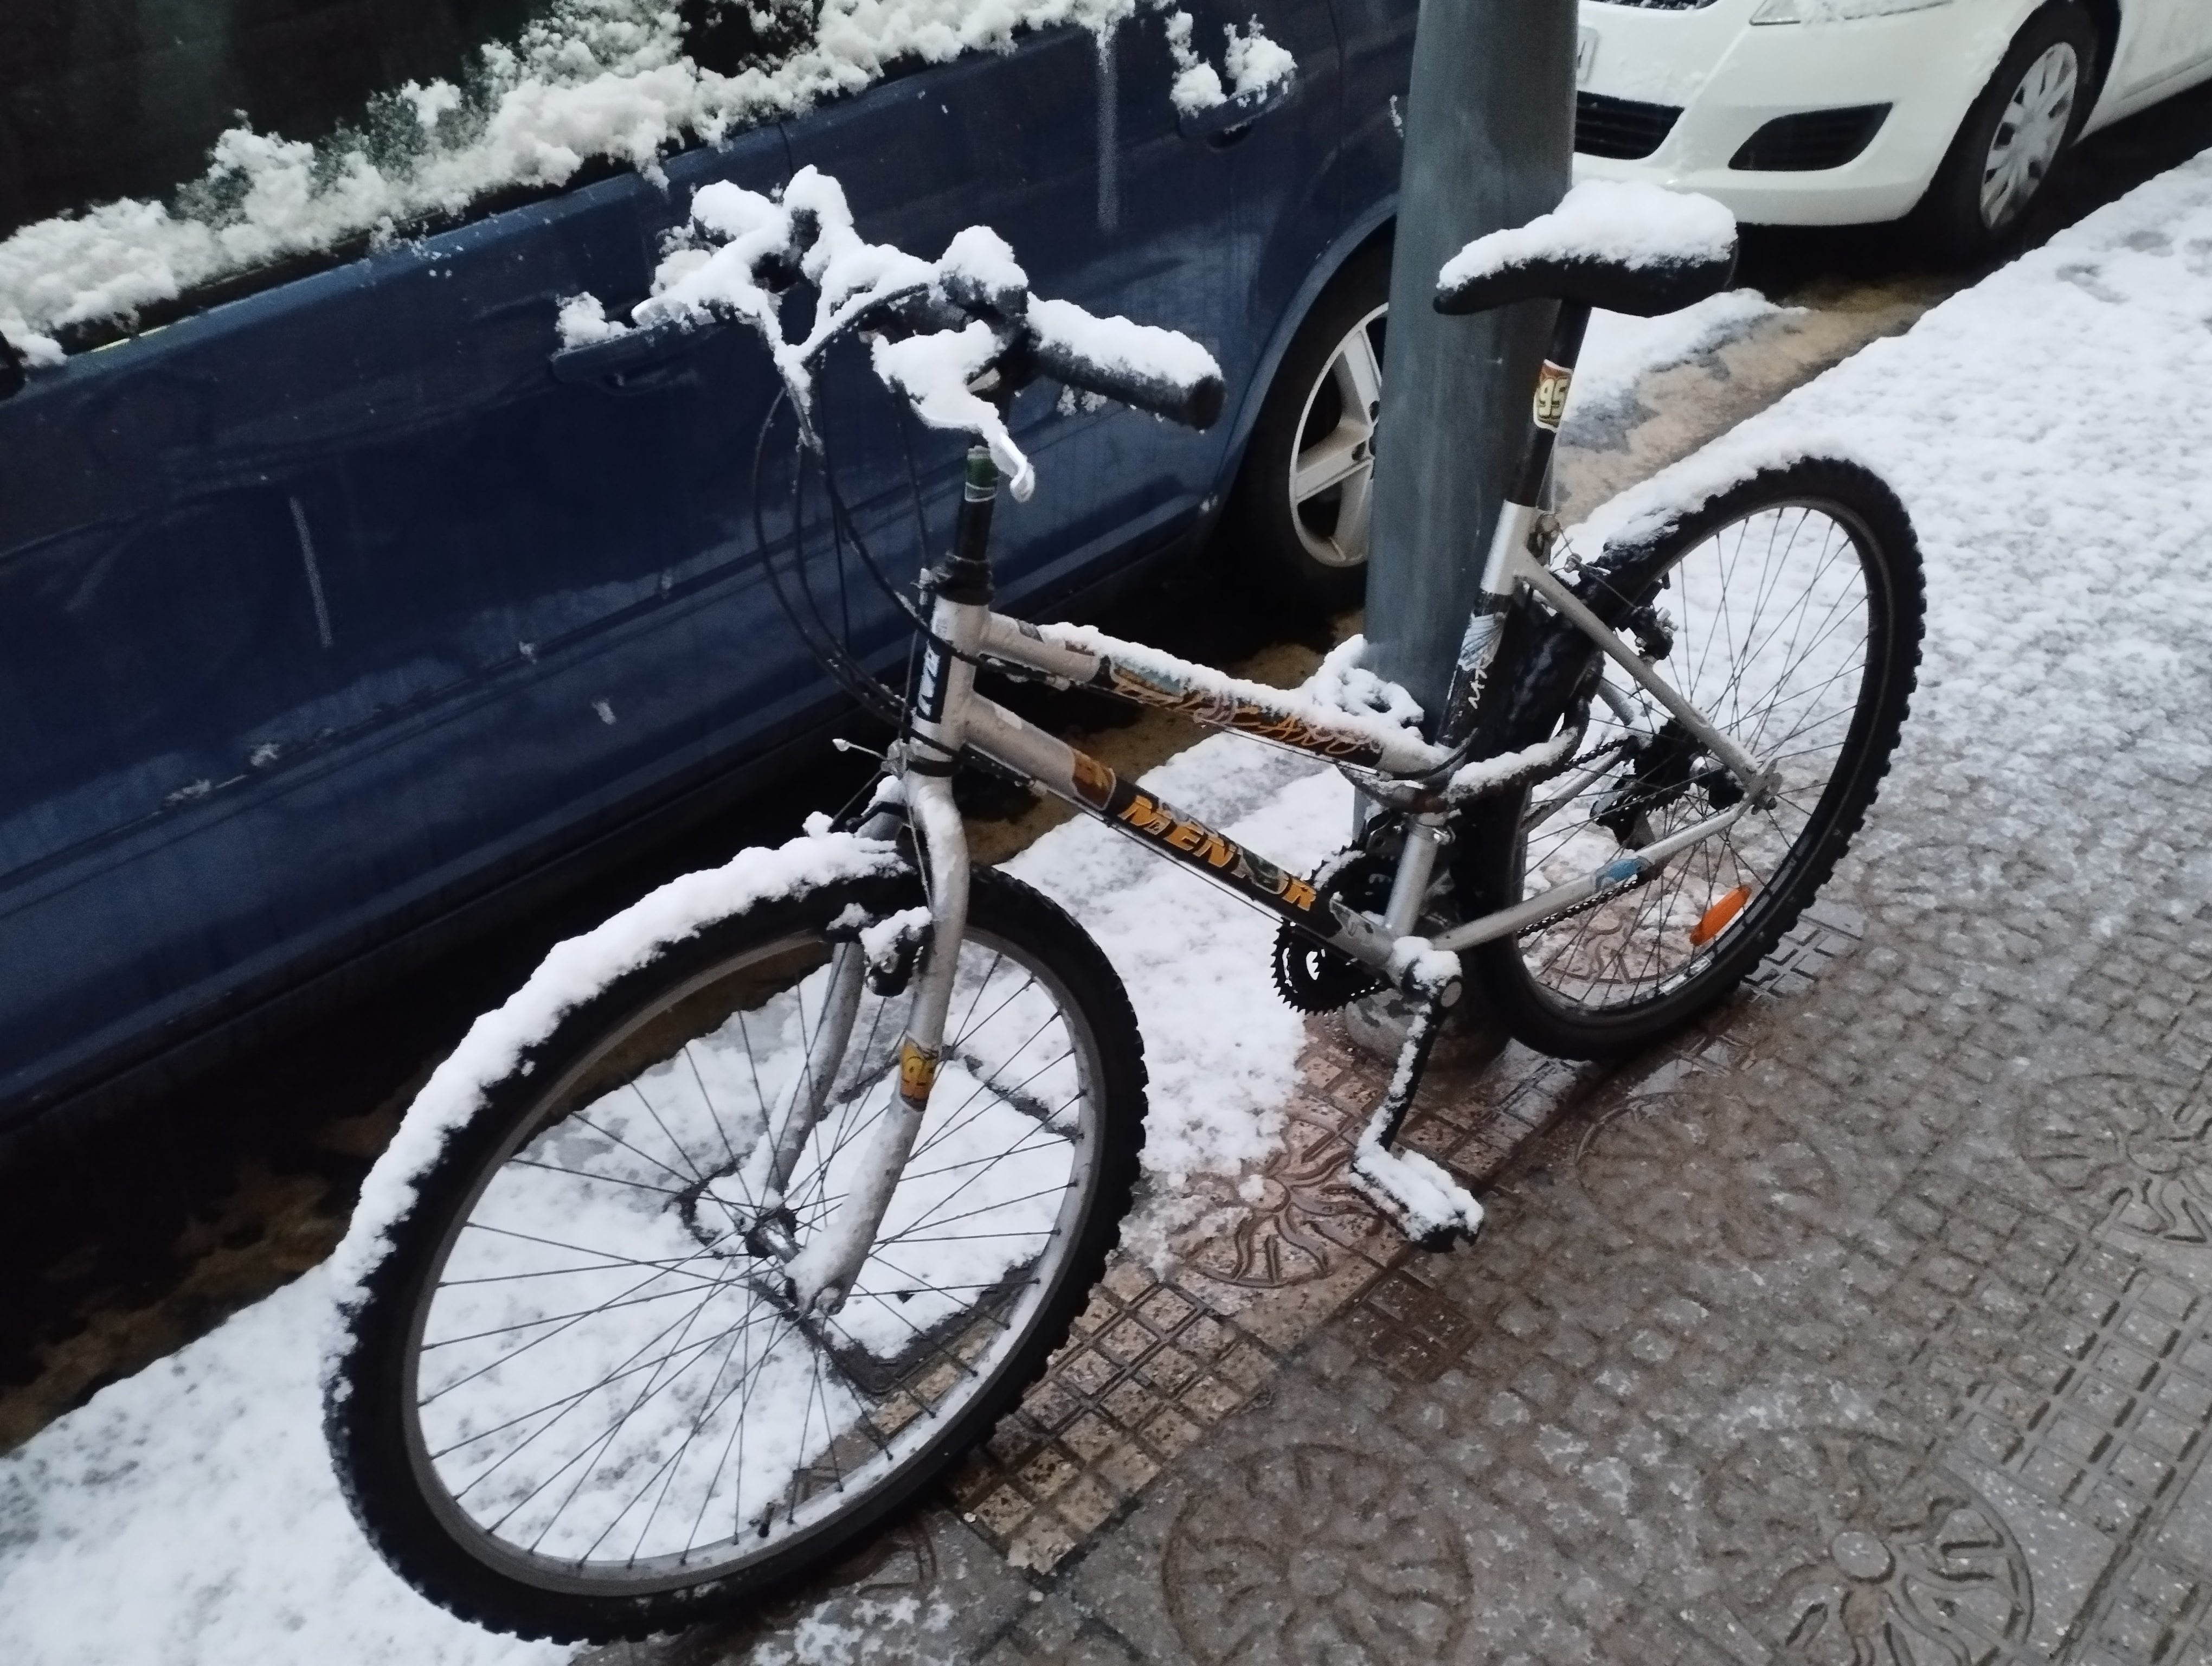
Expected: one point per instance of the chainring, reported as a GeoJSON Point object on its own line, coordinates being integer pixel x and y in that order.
{"type": "Point", "coordinates": [1312, 978]}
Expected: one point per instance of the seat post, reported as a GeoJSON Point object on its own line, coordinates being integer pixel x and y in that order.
{"type": "Point", "coordinates": [1551, 404]}
{"type": "Point", "coordinates": [1516, 521]}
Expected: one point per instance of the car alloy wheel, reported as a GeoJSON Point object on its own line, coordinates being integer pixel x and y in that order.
{"type": "Point", "coordinates": [1332, 475]}
{"type": "Point", "coordinates": [2033, 131]}
{"type": "Point", "coordinates": [1298, 524]}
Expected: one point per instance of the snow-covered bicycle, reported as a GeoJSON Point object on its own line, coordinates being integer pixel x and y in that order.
{"type": "Point", "coordinates": [759, 1204]}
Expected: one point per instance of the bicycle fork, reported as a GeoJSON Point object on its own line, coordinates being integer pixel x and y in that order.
{"type": "Point", "coordinates": [822, 1274]}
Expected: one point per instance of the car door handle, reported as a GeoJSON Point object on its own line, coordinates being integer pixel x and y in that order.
{"type": "Point", "coordinates": [1224, 124]}
{"type": "Point", "coordinates": [633, 361]}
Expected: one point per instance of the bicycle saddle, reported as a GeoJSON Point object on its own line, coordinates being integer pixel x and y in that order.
{"type": "Point", "coordinates": [1627, 247]}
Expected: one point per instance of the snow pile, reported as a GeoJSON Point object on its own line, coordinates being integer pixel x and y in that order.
{"type": "Point", "coordinates": [1256, 65]}
{"type": "Point", "coordinates": [1342, 685]}
{"type": "Point", "coordinates": [571, 974]}
{"type": "Point", "coordinates": [1621, 221]}
{"type": "Point", "coordinates": [188, 1516]}
{"type": "Point", "coordinates": [1167, 358]}
{"type": "Point", "coordinates": [1415, 1191]}
{"type": "Point", "coordinates": [1484, 775]}
{"type": "Point", "coordinates": [1618, 351]}
{"type": "Point", "coordinates": [593, 80]}
{"type": "Point", "coordinates": [740, 249]}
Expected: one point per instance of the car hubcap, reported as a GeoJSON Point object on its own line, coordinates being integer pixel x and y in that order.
{"type": "Point", "coordinates": [2030, 134]}
{"type": "Point", "coordinates": [1332, 474]}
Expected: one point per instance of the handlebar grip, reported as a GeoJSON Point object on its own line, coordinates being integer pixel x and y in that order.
{"type": "Point", "coordinates": [1156, 370]}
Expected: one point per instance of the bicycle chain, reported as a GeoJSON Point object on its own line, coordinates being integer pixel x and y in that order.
{"type": "Point", "coordinates": [1599, 900]}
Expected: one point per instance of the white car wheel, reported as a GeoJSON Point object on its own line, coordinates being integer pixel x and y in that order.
{"type": "Point", "coordinates": [2037, 120]}
{"type": "Point", "coordinates": [2015, 136]}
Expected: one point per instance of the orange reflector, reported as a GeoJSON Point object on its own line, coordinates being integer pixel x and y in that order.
{"type": "Point", "coordinates": [1715, 919]}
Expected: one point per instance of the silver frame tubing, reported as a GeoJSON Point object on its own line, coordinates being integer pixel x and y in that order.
{"type": "Point", "coordinates": [823, 1271]}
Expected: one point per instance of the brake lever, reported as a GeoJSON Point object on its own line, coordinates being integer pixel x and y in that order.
{"type": "Point", "coordinates": [997, 305]}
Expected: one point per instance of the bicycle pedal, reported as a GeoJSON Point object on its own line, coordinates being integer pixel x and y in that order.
{"type": "Point", "coordinates": [1428, 1206]}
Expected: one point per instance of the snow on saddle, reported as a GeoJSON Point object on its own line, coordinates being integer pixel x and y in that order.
{"type": "Point", "coordinates": [1624, 247]}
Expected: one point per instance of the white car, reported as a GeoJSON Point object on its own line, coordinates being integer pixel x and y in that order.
{"type": "Point", "coordinates": [1815, 112]}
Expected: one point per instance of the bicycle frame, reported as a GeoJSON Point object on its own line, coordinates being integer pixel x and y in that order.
{"type": "Point", "coordinates": [947, 717]}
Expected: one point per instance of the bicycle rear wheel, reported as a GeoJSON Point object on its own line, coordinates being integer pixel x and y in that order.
{"type": "Point", "coordinates": [1795, 605]}
{"type": "Point", "coordinates": [575, 1401]}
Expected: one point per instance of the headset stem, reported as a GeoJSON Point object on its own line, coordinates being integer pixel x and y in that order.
{"type": "Point", "coordinates": [966, 575]}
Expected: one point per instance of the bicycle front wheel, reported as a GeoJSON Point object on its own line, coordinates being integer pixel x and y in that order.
{"type": "Point", "coordinates": [1793, 604]}
{"type": "Point", "coordinates": [576, 1401]}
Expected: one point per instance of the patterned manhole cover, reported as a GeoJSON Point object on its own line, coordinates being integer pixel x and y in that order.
{"type": "Point", "coordinates": [2135, 1145]}
{"type": "Point", "coordinates": [1289, 1220]}
{"type": "Point", "coordinates": [1312, 1555]}
{"type": "Point", "coordinates": [1844, 1549]}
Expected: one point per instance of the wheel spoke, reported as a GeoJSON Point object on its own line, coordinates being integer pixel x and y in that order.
{"type": "Point", "coordinates": [1336, 457]}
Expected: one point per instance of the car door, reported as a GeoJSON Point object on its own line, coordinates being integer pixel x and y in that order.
{"type": "Point", "coordinates": [1378, 59]}
{"type": "Point", "coordinates": [326, 608]}
{"type": "Point", "coordinates": [1070, 146]}
{"type": "Point", "coordinates": [2164, 45]}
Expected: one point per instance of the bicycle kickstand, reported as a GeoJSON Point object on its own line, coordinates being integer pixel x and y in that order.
{"type": "Point", "coordinates": [1429, 1206]}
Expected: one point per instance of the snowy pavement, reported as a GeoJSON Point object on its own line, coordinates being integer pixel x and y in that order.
{"type": "Point", "coordinates": [1767, 1283]}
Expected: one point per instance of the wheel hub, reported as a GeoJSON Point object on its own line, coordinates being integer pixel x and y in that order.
{"type": "Point", "coordinates": [1332, 471]}
{"type": "Point", "coordinates": [2029, 134]}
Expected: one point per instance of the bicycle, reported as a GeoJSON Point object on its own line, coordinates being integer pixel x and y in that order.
{"type": "Point", "coordinates": [759, 1204]}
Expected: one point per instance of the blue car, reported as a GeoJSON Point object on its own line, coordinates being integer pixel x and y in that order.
{"type": "Point", "coordinates": [330, 616]}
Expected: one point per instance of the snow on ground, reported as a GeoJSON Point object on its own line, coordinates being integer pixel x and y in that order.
{"type": "Point", "coordinates": [1620, 351]}
{"type": "Point", "coordinates": [2048, 431]}
{"type": "Point", "coordinates": [1222, 1048]}
{"type": "Point", "coordinates": [189, 1515]}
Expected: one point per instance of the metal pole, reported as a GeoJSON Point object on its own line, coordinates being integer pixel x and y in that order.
{"type": "Point", "coordinates": [1489, 144]}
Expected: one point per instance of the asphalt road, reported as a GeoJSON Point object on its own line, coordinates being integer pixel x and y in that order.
{"type": "Point", "coordinates": [130, 1239]}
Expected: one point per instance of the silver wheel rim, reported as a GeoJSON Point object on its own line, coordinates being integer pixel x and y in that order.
{"type": "Point", "coordinates": [2029, 134]}
{"type": "Point", "coordinates": [617, 1552]}
{"type": "Point", "coordinates": [1332, 477]}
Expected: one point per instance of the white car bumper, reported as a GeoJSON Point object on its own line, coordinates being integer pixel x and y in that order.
{"type": "Point", "coordinates": [1730, 79]}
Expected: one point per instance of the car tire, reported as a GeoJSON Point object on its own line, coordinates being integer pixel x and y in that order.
{"type": "Point", "coordinates": [2015, 135]}
{"type": "Point", "coordinates": [1298, 516]}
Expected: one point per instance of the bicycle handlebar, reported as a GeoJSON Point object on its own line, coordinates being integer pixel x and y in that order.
{"type": "Point", "coordinates": [1132, 364]}
{"type": "Point", "coordinates": [1149, 369]}
{"type": "Point", "coordinates": [955, 337]}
